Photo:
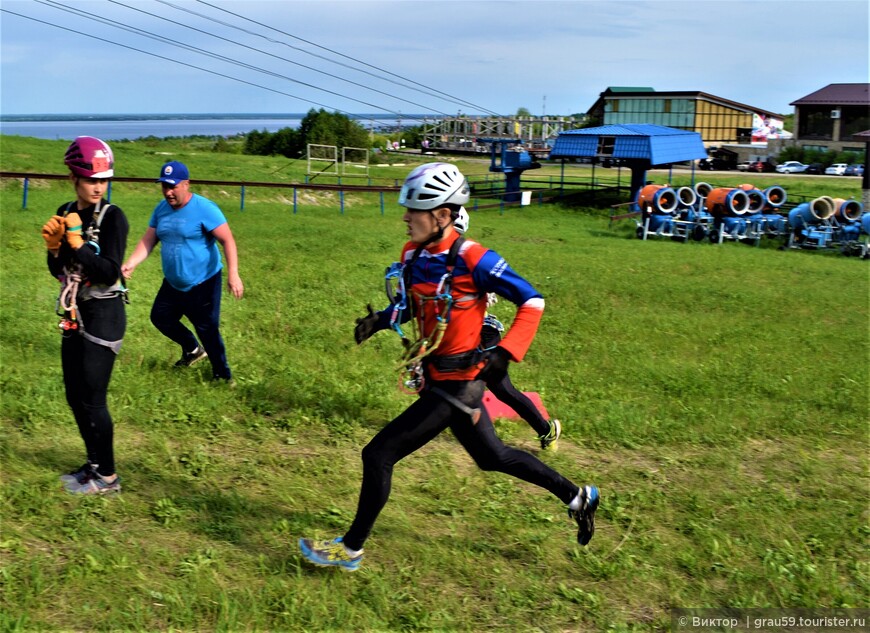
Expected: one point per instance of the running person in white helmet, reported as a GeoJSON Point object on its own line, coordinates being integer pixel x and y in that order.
{"type": "Point", "coordinates": [548, 431]}
{"type": "Point", "coordinates": [442, 294]}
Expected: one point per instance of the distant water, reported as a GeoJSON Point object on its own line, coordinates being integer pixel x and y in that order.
{"type": "Point", "coordinates": [127, 127]}
{"type": "Point", "coordinates": [133, 129]}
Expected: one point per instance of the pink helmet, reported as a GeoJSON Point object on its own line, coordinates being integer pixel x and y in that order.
{"type": "Point", "coordinates": [89, 157]}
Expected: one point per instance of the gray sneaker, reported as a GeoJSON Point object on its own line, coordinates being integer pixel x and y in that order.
{"type": "Point", "coordinates": [78, 477]}
{"type": "Point", "coordinates": [195, 356]}
{"type": "Point", "coordinates": [96, 485]}
{"type": "Point", "coordinates": [549, 440]}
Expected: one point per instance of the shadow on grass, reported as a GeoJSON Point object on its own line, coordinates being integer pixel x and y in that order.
{"type": "Point", "coordinates": [236, 515]}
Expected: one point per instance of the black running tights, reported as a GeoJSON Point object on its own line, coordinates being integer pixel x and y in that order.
{"type": "Point", "coordinates": [505, 391]}
{"type": "Point", "coordinates": [428, 416]}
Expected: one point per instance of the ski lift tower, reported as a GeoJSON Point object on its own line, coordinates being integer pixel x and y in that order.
{"type": "Point", "coordinates": [508, 157]}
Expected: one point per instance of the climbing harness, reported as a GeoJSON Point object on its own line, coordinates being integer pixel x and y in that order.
{"type": "Point", "coordinates": [396, 295]}
{"type": "Point", "coordinates": [419, 344]}
{"type": "Point", "coordinates": [71, 282]}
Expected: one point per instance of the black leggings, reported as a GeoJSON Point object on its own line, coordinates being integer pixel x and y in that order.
{"type": "Point", "coordinates": [505, 391]}
{"type": "Point", "coordinates": [87, 369]}
{"type": "Point", "coordinates": [422, 422]}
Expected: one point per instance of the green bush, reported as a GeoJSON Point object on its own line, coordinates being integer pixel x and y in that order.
{"type": "Point", "coordinates": [826, 158]}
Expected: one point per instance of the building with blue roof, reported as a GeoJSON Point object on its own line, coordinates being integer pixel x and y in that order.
{"type": "Point", "coordinates": [639, 146]}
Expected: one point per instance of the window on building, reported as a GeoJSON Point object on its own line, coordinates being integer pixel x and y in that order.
{"type": "Point", "coordinates": [816, 123]}
{"type": "Point", "coordinates": [667, 106]}
{"type": "Point", "coordinates": [606, 145]}
{"type": "Point", "coordinates": [853, 119]}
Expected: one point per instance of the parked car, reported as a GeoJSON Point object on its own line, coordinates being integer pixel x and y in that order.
{"type": "Point", "coordinates": [815, 168]}
{"type": "Point", "coordinates": [761, 166]}
{"type": "Point", "coordinates": [791, 167]}
{"type": "Point", "coordinates": [837, 169]}
{"type": "Point", "coordinates": [744, 166]}
{"type": "Point", "coordinates": [854, 170]}
{"type": "Point", "coordinates": [718, 164]}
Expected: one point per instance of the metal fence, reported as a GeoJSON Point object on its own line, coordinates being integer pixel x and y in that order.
{"type": "Point", "coordinates": [488, 191]}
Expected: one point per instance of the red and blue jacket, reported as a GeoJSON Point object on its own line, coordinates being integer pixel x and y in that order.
{"type": "Point", "coordinates": [477, 271]}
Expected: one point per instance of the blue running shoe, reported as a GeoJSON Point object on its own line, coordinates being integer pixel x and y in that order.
{"type": "Point", "coordinates": [329, 554]}
{"type": "Point", "coordinates": [585, 514]}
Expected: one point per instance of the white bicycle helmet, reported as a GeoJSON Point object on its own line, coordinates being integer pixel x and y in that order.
{"type": "Point", "coordinates": [433, 185]}
{"type": "Point", "coordinates": [461, 221]}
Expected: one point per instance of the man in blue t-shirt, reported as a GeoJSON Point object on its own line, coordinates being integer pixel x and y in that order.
{"type": "Point", "coordinates": [189, 226]}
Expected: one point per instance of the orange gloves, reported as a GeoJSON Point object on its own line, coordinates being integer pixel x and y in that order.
{"type": "Point", "coordinates": [52, 233]}
{"type": "Point", "coordinates": [74, 231]}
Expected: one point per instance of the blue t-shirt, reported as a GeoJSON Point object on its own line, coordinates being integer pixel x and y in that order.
{"type": "Point", "coordinates": [189, 251]}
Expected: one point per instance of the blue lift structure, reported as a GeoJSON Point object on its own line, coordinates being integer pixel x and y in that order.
{"type": "Point", "coordinates": [508, 157]}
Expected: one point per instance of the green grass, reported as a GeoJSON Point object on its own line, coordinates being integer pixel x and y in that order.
{"type": "Point", "coordinates": [718, 395]}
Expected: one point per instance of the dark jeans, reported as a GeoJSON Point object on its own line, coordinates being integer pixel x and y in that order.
{"type": "Point", "coordinates": [420, 423]}
{"type": "Point", "coordinates": [87, 370]}
{"type": "Point", "coordinates": [202, 307]}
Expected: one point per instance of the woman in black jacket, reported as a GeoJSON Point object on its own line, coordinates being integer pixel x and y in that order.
{"type": "Point", "coordinates": [86, 239]}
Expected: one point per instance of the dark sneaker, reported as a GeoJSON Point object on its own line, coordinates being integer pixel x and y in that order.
{"type": "Point", "coordinates": [195, 356]}
{"type": "Point", "coordinates": [96, 485]}
{"type": "Point", "coordinates": [329, 554]}
{"type": "Point", "coordinates": [80, 476]}
{"type": "Point", "coordinates": [585, 514]}
{"type": "Point", "coordinates": [549, 440]}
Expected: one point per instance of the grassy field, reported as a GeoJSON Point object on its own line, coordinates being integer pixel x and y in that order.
{"type": "Point", "coordinates": [717, 395]}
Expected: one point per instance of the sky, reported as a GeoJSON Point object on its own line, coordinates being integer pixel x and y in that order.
{"type": "Point", "coordinates": [417, 56]}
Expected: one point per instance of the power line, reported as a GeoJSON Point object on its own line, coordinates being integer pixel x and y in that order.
{"type": "Point", "coordinates": [284, 59]}
{"type": "Point", "coordinates": [419, 87]}
{"type": "Point", "coordinates": [446, 95]}
{"type": "Point", "coordinates": [165, 40]}
{"type": "Point", "coordinates": [221, 58]}
{"type": "Point", "coordinates": [169, 59]}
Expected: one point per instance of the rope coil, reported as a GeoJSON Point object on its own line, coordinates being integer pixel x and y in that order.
{"type": "Point", "coordinates": [69, 290]}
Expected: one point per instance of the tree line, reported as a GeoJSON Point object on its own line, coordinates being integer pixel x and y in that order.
{"type": "Point", "coordinates": [317, 127]}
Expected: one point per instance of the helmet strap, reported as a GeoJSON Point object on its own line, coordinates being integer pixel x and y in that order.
{"type": "Point", "coordinates": [440, 235]}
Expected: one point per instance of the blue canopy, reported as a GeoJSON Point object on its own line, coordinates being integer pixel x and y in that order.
{"type": "Point", "coordinates": [657, 144]}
